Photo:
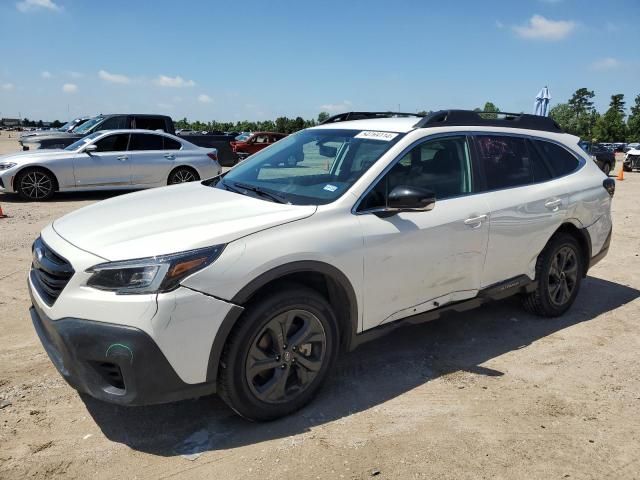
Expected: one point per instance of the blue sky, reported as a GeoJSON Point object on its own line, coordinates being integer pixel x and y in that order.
{"type": "Point", "coordinates": [257, 60]}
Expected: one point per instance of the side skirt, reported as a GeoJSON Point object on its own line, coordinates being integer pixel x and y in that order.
{"type": "Point", "coordinates": [498, 291]}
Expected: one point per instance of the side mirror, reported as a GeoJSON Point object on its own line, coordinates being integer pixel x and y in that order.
{"type": "Point", "coordinates": [404, 198]}
{"type": "Point", "coordinates": [90, 148]}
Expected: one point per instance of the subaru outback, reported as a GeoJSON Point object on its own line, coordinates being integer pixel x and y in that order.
{"type": "Point", "coordinates": [249, 284]}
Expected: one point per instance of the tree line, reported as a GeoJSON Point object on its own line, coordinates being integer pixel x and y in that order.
{"type": "Point", "coordinates": [577, 116]}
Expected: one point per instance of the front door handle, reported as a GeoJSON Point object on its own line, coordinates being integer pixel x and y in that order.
{"type": "Point", "coordinates": [123, 158]}
{"type": "Point", "coordinates": [475, 222]}
{"type": "Point", "coordinates": [553, 205]}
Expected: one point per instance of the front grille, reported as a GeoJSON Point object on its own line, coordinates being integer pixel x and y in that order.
{"type": "Point", "coordinates": [50, 273]}
{"type": "Point", "coordinates": [634, 160]}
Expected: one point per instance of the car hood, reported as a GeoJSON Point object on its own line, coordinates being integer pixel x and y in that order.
{"type": "Point", "coordinates": [171, 219]}
{"type": "Point", "coordinates": [31, 156]}
{"type": "Point", "coordinates": [634, 151]}
{"type": "Point", "coordinates": [48, 135]}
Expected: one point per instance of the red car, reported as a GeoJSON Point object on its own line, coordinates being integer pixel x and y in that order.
{"type": "Point", "coordinates": [255, 143]}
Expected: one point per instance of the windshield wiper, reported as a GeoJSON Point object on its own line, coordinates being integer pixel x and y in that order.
{"type": "Point", "coordinates": [252, 188]}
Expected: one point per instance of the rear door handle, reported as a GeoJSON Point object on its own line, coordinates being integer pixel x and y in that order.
{"type": "Point", "coordinates": [553, 204]}
{"type": "Point", "coordinates": [123, 158]}
{"type": "Point", "coordinates": [475, 222]}
{"type": "Point", "coordinates": [168, 156]}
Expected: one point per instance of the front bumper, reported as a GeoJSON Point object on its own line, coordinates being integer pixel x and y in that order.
{"type": "Point", "coordinates": [632, 161]}
{"type": "Point", "coordinates": [169, 337]}
{"type": "Point", "coordinates": [111, 362]}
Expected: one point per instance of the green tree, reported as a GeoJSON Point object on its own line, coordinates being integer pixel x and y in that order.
{"type": "Point", "coordinates": [581, 104]}
{"type": "Point", "coordinates": [633, 122]}
{"type": "Point", "coordinates": [56, 124]}
{"type": "Point", "coordinates": [563, 114]}
{"type": "Point", "coordinates": [489, 109]}
{"type": "Point", "coordinates": [184, 123]}
{"type": "Point", "coordinates": [322, 116]}
{"type": "Point", "coordinates": [610, 127]}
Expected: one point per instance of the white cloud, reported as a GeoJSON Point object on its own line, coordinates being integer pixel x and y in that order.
{"type": "Point", "coordinates": [541, 28]}
{"type": "Point", "coordinates": [7, 86]}
{"type": "Point", "coordinates": [113, 77]}
{"type": "Point", "coordinates": [69, 88]}
{"type": "Point", "coordinates": [25, 6]}
{"type": "Point", "coordinates": [46, 74]}
{"type": "Point", "coordinates": [608, 63]}
{"type": "Point", "coordinates": [202, 98]}
{"type": "Point", "coordinates": [173, 82]}
{"type": "Point", "coordinates": [345, 106]}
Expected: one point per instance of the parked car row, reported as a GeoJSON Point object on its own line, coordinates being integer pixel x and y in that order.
{"type": "Point", "coordinates": [604, 157]}
{"type": "Point", "coordinates": [107, 160]}
{"type": "Point", "coordinates": [632, 159]}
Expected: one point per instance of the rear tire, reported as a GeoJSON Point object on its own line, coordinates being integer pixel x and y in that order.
{"type": "Point", "coordinates": [278, 356]}
{"type": "Point", "coordinates": [559, 271]}
{"type": "Point", "coordinates": [182, 175]}
{"type": "Point", "coordinates": [35, 184]}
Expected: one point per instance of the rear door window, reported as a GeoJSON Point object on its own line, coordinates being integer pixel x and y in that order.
{"type": "Point", "coordinates": [146, 141]}
{"type": "Point", "coordinates": [561, 161]}
{"type": "Point", "coordinates": [171, 144]}
{"type": "Point", "coordinates": [150, 123]}
{"type": "Point", "coordinates": [506, 161]}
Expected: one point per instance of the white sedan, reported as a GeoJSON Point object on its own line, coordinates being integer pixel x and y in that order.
{"type": "Point", "coordinates": [107, 160]}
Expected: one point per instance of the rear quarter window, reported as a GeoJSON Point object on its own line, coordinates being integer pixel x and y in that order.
{"type": "Point", "coordinates": [561, 161]}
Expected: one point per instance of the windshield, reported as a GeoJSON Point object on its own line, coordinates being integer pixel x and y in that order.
{"type": "Point", "coordinates": [311, 167]}
{"type": "Point", "coordinates": [85, 127]}
{"type": "Point", "coordinates": [82, 142]}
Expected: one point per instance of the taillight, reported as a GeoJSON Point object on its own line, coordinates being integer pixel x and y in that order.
{"type": "Point", "coordinates": [609, 185]}
{"type": "Point", "coordinates": [213, 155]}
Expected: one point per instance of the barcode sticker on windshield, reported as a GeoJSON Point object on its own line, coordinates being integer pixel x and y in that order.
{"type": "Point", "coordinates": [371, 135]}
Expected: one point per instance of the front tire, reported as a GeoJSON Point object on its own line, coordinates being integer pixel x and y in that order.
{"type": "Point", "coordinates": [559, 271]}
{"type": "Point", "coordinates": [35, 184]}
{"type": "Point", "coordinates": [279, 355]}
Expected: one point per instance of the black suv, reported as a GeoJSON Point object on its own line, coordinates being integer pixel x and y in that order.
{"type": "Point", "coordinates": [101, 122]}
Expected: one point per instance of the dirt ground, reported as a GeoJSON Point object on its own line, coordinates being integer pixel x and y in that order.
{"type": "Point", "coordinates": [491, 393]}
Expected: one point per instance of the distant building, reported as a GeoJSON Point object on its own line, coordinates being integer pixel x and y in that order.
{"type": "Point", "coordinates": [10, 122]}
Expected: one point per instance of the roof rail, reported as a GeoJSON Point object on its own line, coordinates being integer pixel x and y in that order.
{"type": "Point", "coordinates": [343, 117]}
{"type": "Point", "coordinates": [458, 118]}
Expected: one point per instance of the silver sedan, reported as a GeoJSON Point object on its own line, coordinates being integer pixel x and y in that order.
{"type": "Point", "coordinates": [107, 160]}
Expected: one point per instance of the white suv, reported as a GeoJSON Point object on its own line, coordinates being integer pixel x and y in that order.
{"type": "Point", "coordinates": [249, 284]}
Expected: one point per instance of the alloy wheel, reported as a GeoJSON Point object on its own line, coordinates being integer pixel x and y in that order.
{"type": "Point", "coordinates": [36, 185]}
{"type": "Point", "coordinates": [286, 356]}
{"type": "Point", "coordinates": [563, 275]}
{"type": "Point", "coordinates": [182, 176]}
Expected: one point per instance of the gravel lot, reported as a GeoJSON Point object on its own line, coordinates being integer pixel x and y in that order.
{"type": "Point", "coordinates": [491, 393]}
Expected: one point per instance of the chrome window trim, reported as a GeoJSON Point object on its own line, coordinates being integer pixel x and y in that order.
{"type": "Point", "coordinates": [467, 133]}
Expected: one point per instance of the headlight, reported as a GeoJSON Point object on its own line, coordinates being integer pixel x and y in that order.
{"type": "Point", "coordinates": [153, 274]}
{"type": "Point", "coordinates": [7, 165]}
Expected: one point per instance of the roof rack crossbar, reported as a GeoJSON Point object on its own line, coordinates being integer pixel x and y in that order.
{"type": "Point", "coordinates": [458, 118]}
{"type": "Point", "coordinates": [346, 116]}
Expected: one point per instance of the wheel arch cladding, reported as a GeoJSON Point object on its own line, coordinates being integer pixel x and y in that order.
{"type": "Point", "coordinates": [326, 279]}
{"type": "Point", "coordinates": [584, 240]}
{"type": "Point", "coordinates": [29, 168]}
